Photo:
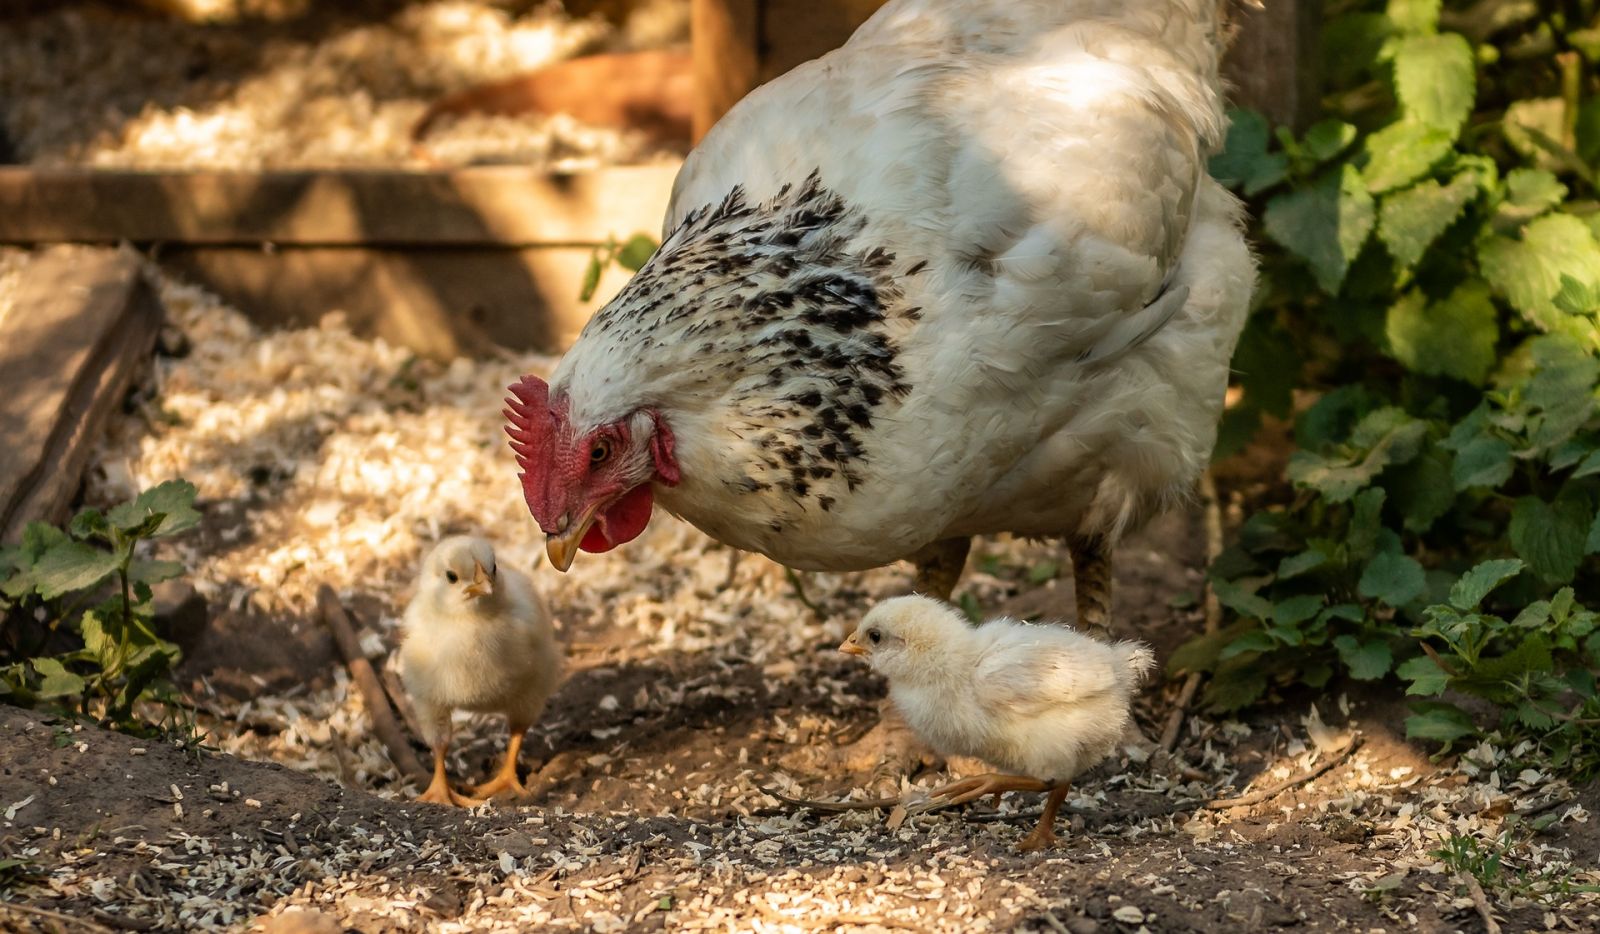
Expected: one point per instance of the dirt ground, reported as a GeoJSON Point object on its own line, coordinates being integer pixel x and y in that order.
{"type": "Point", "coordinates": [655, 819]}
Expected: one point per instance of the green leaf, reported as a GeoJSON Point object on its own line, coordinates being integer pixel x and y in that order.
{"type": "Point", "coordinates": [1551, 537]}
{"type": "Point", "coordinates": [1245, 162]}
{"type": "Point", "coordinates": [1532, 126]}
{"type": "Point", "coordinates": [1301, 563]}
{"type": "Point", "coordinates": [1401, 153]}
{"type": "Point", "coordinates": [1411, 220]}
{"type": "Point", "coordinates": [1483, 462]}
{"type": "Point", "coordinates": [1435, 79]}
{"type": "Point", "coordinates": [1531, 192]}
{"type": "Point", "coordinates": [1326, 139]}
{"type": "Point", "coordinates": [71, 566]}
{"type": "Point", "coordinates": [1296, 610]}
{"type": "Point", "coordinates": [1414, 16]}
{"type": "Point", "coordinates": [1455, 337]}
{"type": "Point", "coordinates": [1528, 271]}
{"type": "Point", "coordinates": [1043, 571]}
{"type": "Point", "coordinates": [1575, 298]}
{"type": "Point", "coordinates": [1438, 721]}
{"type": "Point", "coordinates": [1477, 583]}
{"type": "Point", "coordinates": [1254, 641]}
{"type": "Point", "coordinates": [57, 680]}
{"type": "Point", "coordinates": [1241, 601]}
{"type": "Point", "coordinates": [1423, 489]}
{"type": "Point", "coordinates": [154, 572]}
{"type": "Point", "coordinates": [591, 275]}
{"type": "Point", "coordinates": [1325, 224]}
{"type": "Point", "coordinates": [1389, 435]}
{"type": "Point", "coordinates": [162, 510]}
{"type": "Point", "coordinates": [1396, 579]}
{"type": "Point", "coordinates": [636, 252]}
{"type": "Point", "coordinates": [1591, 543]}
{"type": "Point", "coordinates": [90, 523]}
{"type": "Point", "coordinates": [1423, 676]}
{"type": "Point", "coordinates": [1237, 684]}
{"type": "Point", "coordinates": [1367, 661]}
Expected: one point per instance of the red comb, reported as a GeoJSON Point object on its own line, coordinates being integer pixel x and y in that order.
{"type": "Point", "coordinates": [528, 412]}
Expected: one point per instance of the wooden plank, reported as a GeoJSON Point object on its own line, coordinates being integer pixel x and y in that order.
{"type": "Point", "coordinates": [82, 323]}
{"type": "Point", "coordinates": [439, 302]}
{"type": "Point", "coordinates": [481, 205]}
{"type": "Point", "coordinates": [1274, 61]}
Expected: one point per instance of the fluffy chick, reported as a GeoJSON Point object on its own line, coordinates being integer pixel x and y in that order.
{"type": "Point", "coordinates": [477, 637]}
{"type": "Point", "coordinates": [1042, 703]}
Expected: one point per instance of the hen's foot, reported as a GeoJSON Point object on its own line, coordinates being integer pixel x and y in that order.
{"type": "Point", "coordinates": [440, 792]}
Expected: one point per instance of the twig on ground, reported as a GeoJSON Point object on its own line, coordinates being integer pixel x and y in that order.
{"type": "Point", "coordinates": [833, 807]}
{"type": "Point", "coordinates": [1213, 609]}
{"type": "Point", "coordinates": [1480, 901]}
{"type": "Point", "coordinates": [800, 591]}
{"type": "Point", "coordinates": [401, 701]}
{"type": "Point", "coordinates": [1272, 791]}
{"type": "Point", "coordinates": [56, 916]}
{"type": "Point", "coordinates": [372, 694]}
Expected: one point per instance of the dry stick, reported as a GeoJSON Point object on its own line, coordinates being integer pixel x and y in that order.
{"type": "Point", "coordinates": [56, 916]}
{"type": "Point", "coordinates": [1480, 901]}
{"type": "Point", "coordinates": [1272, 791]}
{"type": "Point", "coordinates": [401, 701]}
{"type": "Point", "coordinates": [1191, 684]}
{"type": "Point", "coordinates": [377, 703]}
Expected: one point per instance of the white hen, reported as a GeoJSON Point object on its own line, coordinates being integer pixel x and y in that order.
{"type": "Point", "coordinates": [478, 638]}
{"type": "Point", "coordinates": [1043, 703]}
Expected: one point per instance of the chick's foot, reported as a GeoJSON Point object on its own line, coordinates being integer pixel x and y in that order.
{"type": "Point", "coordinates": [971, 789]}
{"type": "Point", "coordinates": [505, 777]}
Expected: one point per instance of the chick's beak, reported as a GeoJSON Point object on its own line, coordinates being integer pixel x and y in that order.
{"type": "Point", "coordinates": [851, 647]}
{"type": "Point", "coordinates": [562, 547]}
{"type": "Point", "coordinates": [482, 584]}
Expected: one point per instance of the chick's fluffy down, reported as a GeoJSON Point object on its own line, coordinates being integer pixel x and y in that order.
{"type": "Point", "coordinates": [506, 661]}
{"type": "Point", "coordinates": [1040, 700]}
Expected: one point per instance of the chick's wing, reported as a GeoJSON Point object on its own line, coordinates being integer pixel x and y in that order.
{"type": "Point", "coordinates": [1027, 677]}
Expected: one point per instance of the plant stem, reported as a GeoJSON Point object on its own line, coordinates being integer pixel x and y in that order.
{"type": "Point", "coordinates": [1571, 90]}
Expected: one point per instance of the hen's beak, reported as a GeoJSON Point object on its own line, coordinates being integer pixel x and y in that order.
{"type": "Point", "coordinates": [851, 647]}
{"type": "Point", "coordinates": [482, 584]}
{"type": "Point", "coordinates": [562, 547]}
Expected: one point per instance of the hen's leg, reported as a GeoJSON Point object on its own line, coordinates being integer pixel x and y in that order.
{"type": "Point", "coordinates": [1045, 834]}
{"type": "Point", "coordinates": [439, 790]}
{"type": "Point", "coordinates": [1091, 582]}
{"type": "Point", "coordinates": [1091, 576]}
{"type": "Point", "coordinates": [890, 747]}
{"type": "Point", "coordinates": [505, 777]}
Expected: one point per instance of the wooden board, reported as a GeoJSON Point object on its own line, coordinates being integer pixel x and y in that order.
{"type": "Point", "coordinates": [1274, 62]}
{"type": "Point", "coordinates": [498, 206]}
{"type": "Point", "coordinates": [82, 324]}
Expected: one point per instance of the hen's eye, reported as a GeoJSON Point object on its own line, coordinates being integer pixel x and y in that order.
{"type": "Point", "coordinates": [875, 636]}
{"type": "Point", "coordinates": [600, 451]}
{"type": "Point", "coordinates": [451, 576]}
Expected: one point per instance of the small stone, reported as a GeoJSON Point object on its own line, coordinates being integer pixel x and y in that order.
{"type": "Point", "coordinates": [1128, 914]}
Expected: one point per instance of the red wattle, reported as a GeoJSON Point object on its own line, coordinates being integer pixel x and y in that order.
{"type": "Point", "coordinates": [623, 522]}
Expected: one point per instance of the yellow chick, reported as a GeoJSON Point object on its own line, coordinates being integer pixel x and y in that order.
{"type": "Point", "coordinates": [1041, 702]}
{"type": "Point", "coordinates": [477, 637]}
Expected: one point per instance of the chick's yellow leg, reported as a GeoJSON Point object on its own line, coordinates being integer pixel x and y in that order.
{"type": "Point", "coordinates": [505, 777]}
{"type": "Point", "coordinates": [439, 790]}
{"type": "Point", "coordinates": [1045, 834]}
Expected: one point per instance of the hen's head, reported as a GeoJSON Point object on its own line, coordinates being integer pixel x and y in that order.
{"type": "Point", "coordinates": [588, 486]}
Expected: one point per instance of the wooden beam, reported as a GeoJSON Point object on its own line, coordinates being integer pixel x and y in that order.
{"type": "Point", "coordinates": [499, 206]}
{"type": "Point", "coordinates": [81, 325]}
{"type": "Point", "coordinates": [727, 56]}
{"type": "Point", "coordinates": [440, 303]}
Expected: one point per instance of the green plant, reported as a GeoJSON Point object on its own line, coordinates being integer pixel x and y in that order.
{"type": "Point", "coordinates": [630, 255]}
{"type": "Point", "coordinates": [79, 607]}
{"type": "Point", "coordinates": [1504, 872]}
{"type": "Point", "coordinates": [1427, 322]}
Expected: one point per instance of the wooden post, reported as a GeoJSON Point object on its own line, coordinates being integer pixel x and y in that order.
{"type": "Point", "coordinates": [1274, 62]}
{"type": "Point", "coordinates": [727, 52]}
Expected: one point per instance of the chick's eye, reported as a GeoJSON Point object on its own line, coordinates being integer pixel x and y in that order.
{"type": "Point", "coordinates": [875, 636]}
{"type": "Point", "coordinates": [600, 451]}
{"type": "Point", "coordinates": [451, 576]}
